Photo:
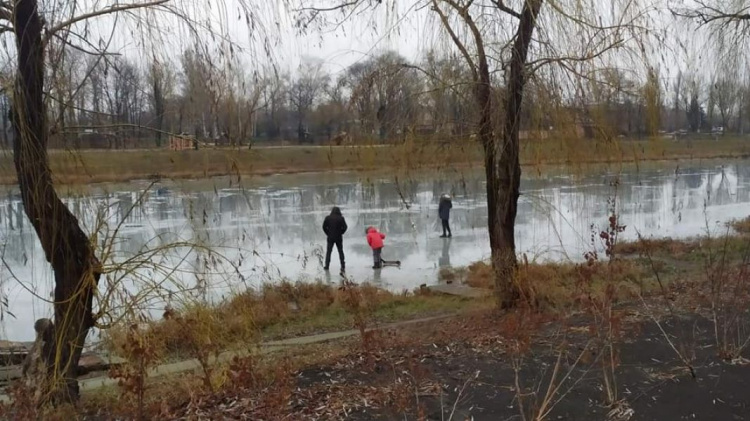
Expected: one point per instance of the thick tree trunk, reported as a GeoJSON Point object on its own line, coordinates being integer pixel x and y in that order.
{"type": "Point", "coordinates": [502, 166]}
{"type": "Point", "coordinates": [65, 245]}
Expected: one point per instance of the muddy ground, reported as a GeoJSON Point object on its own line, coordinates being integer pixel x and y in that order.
{"type": "Point", "coordinates": [464, 369]}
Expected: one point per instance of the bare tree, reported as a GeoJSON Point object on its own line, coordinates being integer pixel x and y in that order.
{"type": "Point", "coordinates": [124, 97]}
{"type": "Point", "coordinates": [201, 91]}
{"type": "Point", "coordinates": [726, 93]}
{"type": "Point", "coordinates": [161, 84]}
{"type": "Point", "coordinates": [451, 102]}
{"type": "Point", "coordinates": [239, 105]}
{"type": "Point", "coordinates": [360, 81]}
{"type": "Point", "coordinates": [676, 101]}
{"type": "Point", "coordinates": [274, 94]}
{"type": "Point", "coordinates": [651, 97]}
{"type": "Point", "coordinates": [305, 90]}
{"type": "Point", "coordinates": [332, 114]}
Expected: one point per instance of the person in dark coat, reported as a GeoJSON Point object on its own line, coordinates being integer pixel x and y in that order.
{"type": "Point", "coordinates": [335, 226]}
{"type": "Point", "coordinates": [444, 212]}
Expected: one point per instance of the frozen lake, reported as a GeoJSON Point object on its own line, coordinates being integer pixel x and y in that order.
{"type": "Point", "coordinates": [157, 242]}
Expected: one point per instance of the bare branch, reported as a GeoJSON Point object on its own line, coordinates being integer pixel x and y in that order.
{"type": "Point", "coordinates": [536, 64]}
{"type": "Point", "coordinates": [329, 9]}
{"type": "Point", "coordinates": [706, 14]}
{"type": "Point", "coordinates": [79, 48]}
{"type": "Point", "coordinates": [500, 4]}
{"type": "Point", "coordinates": [101, 12]}
{"type": "Point", "coordinates": [586, 24]}
{"type": "Point", "coordinates": [461, 47]}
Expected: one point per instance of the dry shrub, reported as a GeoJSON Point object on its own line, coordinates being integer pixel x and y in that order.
{"type": "Point", "coordinates": [361, 301]}
{"type": "Point", "coordinates": [200, 328]}
{"type": "Point", "coordinates": [275, 303]}
{"type": "Point", "coordinates": [674, 248]}
{"type": "Point", "coordinates": [142, 349]}
{"type": "Point", "coordinates": [741, 226]}
{"type": "Point", "coordinates": [555, 285]}
{"type": "Point", "coordinates": [449, 275]}
{"type": "Point", "coordinates": [480, 275]}
{"type": "Point", "coordinates": [22, 405]}
{"type": "Point", "coordinates": [197, 331]}
{"type": "Point", "coordinates": [420, 291]}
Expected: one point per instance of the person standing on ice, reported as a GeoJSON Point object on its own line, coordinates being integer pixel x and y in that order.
{"type": "Point", "coordinates": [444, 212]}
{"type": "Point", "coordinates": [334, 226]}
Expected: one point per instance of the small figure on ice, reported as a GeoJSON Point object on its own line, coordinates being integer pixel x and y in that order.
{"type": "Point", "coordinates": [375, 240]}
{"type": "Point", "coordinates": [444, 212]}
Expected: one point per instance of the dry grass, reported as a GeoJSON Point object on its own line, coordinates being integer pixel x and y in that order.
{"type": "Point", "coordinates": [275, 312]}
{"type": "Point", "coordinates": [686, 251]}
{"type": "Point", "coordinates": [92, 166]}
{"type": "Point", "coordinates": [558, 285]}
{"type": "Point", "coordinates": [741, 226]}
{"type": "Point", "coordinates": [480, 275]}
{"type": "Point", "coordinates": [669, 246]}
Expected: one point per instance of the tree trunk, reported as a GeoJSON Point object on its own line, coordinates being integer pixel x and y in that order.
{"type": "Point", "coordinates": [65, 245]}
{"type": "Point", "coordinates": [502, 166]}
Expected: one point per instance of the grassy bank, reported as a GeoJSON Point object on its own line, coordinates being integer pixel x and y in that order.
{"type": "Point", "coordinates": [281, 311]}
{"type": "Point", "coordinates": [91, 166]}
{"type": "Point", "coordinates": [588, 338]}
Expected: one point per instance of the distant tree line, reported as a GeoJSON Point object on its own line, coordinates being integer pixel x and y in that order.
{"type": "Point", "coordinates": [118, 103]}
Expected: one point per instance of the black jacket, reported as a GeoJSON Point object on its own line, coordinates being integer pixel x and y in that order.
{"type": "Point", "coordinates": [335, 225]}
{"type": "Point", "coordinates": [444, 209]}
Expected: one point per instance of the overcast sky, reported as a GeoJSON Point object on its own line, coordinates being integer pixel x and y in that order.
{"type": "Point", "coordinates": [410, 32]}
{"type": "Point", "coordinates": [337, 48]}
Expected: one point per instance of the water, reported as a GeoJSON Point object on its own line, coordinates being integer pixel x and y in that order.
{"type": "Point", "coordinates": [271, 229]}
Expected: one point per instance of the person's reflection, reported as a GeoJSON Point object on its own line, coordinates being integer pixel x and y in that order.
{"type": "Point", "coordinates": [376, 279]}
{"type": "Point", "coordinates": [445, 258]}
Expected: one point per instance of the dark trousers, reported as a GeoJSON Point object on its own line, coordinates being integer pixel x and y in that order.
{"type": "Point", "coordinates": [446, 227]}
{"type": "Point", "coordinates": [339, 242]}
{"type": "Point", "coordinates": [377, 260]}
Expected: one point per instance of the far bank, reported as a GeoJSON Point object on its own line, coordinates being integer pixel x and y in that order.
{"type": "Point", "coordinates": [72, 167]}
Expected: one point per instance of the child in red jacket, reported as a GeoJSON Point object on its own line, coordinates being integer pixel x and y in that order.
{"type": "Point", "coordinates": [375, 240]}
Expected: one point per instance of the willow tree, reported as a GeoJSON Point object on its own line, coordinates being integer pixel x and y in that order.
{"type": "Point", "coordinates": [504, 44]}
{"type": "Point", "coordinates": [38, 30]}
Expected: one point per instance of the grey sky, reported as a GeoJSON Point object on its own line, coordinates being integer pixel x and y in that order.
{"type": "Point", "coordinates": [354, 41]}
{"type": "Point", "coordinates": [337, 48]}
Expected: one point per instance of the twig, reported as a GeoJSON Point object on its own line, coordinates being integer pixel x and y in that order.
{"type": "Point", "coordinates": [460, 392]}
